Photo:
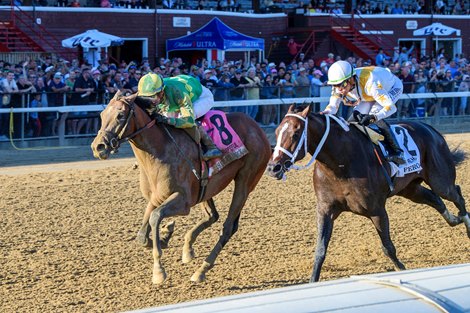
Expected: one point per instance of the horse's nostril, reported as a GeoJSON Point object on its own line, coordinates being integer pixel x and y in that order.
{"type": "Point", "coordinates": [100, 147]}
{"type": "Point", "coordinates": [276, 168]}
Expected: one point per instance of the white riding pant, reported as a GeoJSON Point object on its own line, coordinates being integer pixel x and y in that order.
{"type": "Point", "coordinates": [204, 103]}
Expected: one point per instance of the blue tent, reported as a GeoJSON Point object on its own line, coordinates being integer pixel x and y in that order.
{"type": "Point", "coordinates": [215, 35]}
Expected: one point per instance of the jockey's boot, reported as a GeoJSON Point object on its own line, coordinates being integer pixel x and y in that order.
{"type": "Point", "coordinates": [211, 150]}
{"type": "Point", "coordinates": [396, 155]}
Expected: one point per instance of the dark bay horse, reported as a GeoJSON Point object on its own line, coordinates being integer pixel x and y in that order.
{"type": "Point", "coordinates": [168, 162]}
{"type": "Point", "coordinates": [347, 175]}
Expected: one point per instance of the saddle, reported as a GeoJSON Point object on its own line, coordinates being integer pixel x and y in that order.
{"type": "Point", "coordinates": [372, 130]}
{"type": "Point", "coordinates": [406, 143]}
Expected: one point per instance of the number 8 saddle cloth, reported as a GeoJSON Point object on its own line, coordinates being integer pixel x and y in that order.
{"type": "Point", "coordinates": [225, 138]}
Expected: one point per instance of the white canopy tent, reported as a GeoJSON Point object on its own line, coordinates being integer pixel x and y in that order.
{"type": "Point", "coordinates": [436, 29]}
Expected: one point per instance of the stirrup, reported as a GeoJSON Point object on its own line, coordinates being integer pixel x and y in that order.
{"type": "Point", "coordinates": [212, 154]}
{"type": "Point", "coordinates": [398, 159]}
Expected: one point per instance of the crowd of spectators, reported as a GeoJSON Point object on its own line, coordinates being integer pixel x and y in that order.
{"type": "Point", "coordinates": [55, 82]}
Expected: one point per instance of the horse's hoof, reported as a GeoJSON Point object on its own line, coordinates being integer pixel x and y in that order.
{"type": "Point", "coordinates": [466, 221]}
{"type": "Point", "coordinates": [159, 276]}
{"type": "Point", "coordinates": [166, 233]}
{"type": "Point", "coordinates": [400, 267]}
{"type": "Point", "coordinates": [143, 240]}
{"type": "Point", "coordinates": [188, 256]}
{"type": "Point", "coordinates": [198, 277]}
{"type": "Point", "coordinates": [170, 227]}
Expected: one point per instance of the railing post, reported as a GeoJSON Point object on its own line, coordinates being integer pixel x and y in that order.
{"type": "Point", "coordinates": [12, 12]}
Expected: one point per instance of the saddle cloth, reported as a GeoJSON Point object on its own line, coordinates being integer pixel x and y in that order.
{"type": "Point", "coordinates": [225, 138]}
{"type": "Point", "coordinates": [410, 149]}
{"type": "Point", "coordinates": [406, 143]}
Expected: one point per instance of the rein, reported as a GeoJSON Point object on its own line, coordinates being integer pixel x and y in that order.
{"type": "Point", "coordinates": [193, 169]}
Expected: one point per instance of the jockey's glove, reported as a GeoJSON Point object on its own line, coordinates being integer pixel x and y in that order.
{"type": "Point", "coordinates": [366, 119]}
{"type": "Point", "coordinates": [160, 118]}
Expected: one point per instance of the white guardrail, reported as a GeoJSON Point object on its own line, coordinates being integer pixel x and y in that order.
{"type": "Point", "coordinates": [100, 107]}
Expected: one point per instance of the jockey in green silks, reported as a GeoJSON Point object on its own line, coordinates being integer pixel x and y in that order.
{"type": "Point", "coordinates": [179, 101]}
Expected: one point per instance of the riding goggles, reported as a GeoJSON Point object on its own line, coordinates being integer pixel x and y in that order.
{"type": "Point", "coordinates": [343, 84]}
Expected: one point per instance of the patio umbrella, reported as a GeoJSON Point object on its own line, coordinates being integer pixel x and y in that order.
{"type": "Point", "coordinates": [92, 39]}
{"type": "Point", "coordinates": [436, 29]}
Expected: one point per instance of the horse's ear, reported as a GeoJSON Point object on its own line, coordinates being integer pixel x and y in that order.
{"type": "Point", "coordinates": [291, 108]}
{"type": "Point", "coordinates": [117, 95]}
{"type": "Point", "coordinates": [131, 97]}
{"type": "Point", "coordinates": [307, 110]}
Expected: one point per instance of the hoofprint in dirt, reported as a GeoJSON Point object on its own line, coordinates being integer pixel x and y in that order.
{"type": "Point", "coordinates": [67, 231]}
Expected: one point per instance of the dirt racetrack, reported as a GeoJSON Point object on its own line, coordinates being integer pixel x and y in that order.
{"type": "Point", "coordinates": [67, 230]}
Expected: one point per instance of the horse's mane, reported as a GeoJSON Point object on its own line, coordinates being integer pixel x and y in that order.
{"type": "Point", "coordinates": [148, 106]}
{"type": "Point", "coordinates": [145, 103]}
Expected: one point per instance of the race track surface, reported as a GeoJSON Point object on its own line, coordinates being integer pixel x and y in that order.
{"type": "Point", "coordinates": [67, 237]}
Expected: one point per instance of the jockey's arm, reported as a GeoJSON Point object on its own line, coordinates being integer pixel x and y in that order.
{"type": "Point", "coordinates": [180, 111]}
{"type": "Point", "coordinates": [333, 105]}
{"type": "Point", "coordinates": [382, 97]}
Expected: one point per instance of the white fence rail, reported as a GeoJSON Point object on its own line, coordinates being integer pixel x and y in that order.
{"type": "Point", "coordinates": [98, 108]}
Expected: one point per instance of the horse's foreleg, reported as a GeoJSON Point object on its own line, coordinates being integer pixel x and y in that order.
{"type": "Point", "coordinates": [174, 205]}
{"type": "Point", "coordinates": [240, 195]}
{"type": "Point", "coordinates": [324, 229]}
{"type": "Point", "coordinates": [143, 235]}
{"type": "Point", "coordinates": [381, 224]}
{"type": "Point", "coordinates": [159, 274]}
{"type": "Point", "coordinates": [211, 216]}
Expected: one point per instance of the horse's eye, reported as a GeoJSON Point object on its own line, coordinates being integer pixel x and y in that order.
{"type": "Point", "coordinates": [120, 115]}
{"type": "Point", "coordinates": [295, 136]}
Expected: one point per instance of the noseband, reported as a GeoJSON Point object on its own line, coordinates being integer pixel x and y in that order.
{"type": "Point", "coordinates": [116, 141]}
{"type": "Point", "coordinates": [302, 142]}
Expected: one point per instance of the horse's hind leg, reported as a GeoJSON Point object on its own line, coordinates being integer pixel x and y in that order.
{"type": "Point", "coordinates": [239, 197]}
{"type": "Point", "coordinates": [455, 195]}
{"type": "Point", "coordinates": [420, 194]}
{"type": "Point", "coordinates": [211, 216]}
{"type": "Point", "coordinates": [381, 224]}
{"type": "Point", "coordinates": [443, 184]}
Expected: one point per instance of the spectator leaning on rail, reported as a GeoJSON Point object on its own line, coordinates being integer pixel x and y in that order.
{"type": "Point", "coordinates": [179, 101]}
{"type": "Point", "coordinates": [373, 92]}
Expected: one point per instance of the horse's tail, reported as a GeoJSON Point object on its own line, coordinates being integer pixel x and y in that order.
{"type": "Point", "coordinates": [458, 155]}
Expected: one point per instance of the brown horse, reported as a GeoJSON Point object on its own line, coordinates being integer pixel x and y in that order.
{"type": "Point", "coordinates": [347, 175]}
{"type": "Point", "coordinates": [169, 164]}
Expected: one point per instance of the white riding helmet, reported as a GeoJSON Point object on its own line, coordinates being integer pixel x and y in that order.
{"type": "Point", "coordinates": [339, 72]}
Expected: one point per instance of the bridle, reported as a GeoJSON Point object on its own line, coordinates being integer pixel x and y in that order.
{"type": "Point", "coordinates": [302, 143]}
{"type": "Point", "coordinates": [116, 141]}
